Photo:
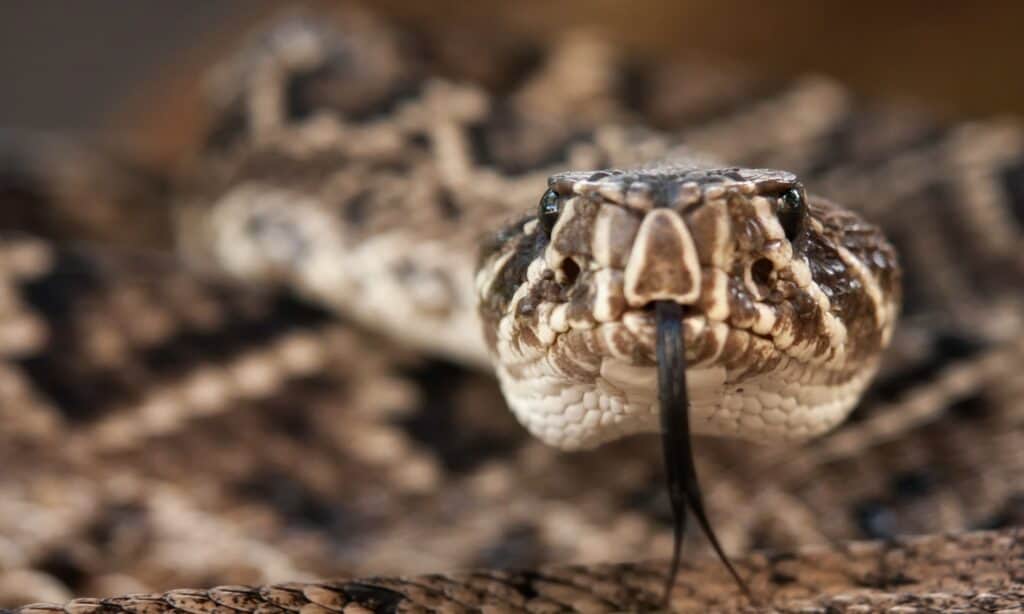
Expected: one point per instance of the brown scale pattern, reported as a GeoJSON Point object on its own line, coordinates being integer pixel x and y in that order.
{"type": "Point", "coordinates": [261, 482]}
{"type": "Point", "coordinates": [247, 450]}
{"type": "Point", "coordinates": [977, 572]}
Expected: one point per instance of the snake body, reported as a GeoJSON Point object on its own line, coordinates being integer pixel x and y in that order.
{"type": "Point", "coordinates": [785, 325]}
{"type": "Point", "coordinates": [341, 168]}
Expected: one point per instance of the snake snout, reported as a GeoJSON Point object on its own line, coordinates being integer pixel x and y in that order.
{"type": "Point", "coordinates": [663, 263]}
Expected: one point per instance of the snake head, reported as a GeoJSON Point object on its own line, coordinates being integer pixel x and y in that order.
{"type": "Point", "coordinates": [788, 301]}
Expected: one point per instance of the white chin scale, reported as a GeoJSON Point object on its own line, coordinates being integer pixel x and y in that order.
{"type": "Point", "coordinates": [623, 401]}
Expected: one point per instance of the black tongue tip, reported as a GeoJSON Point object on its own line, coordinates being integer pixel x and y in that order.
{"type": "Point", "coordinates": [680, 471]}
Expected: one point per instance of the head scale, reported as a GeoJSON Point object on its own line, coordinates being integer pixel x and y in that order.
{"type": "Point", "coordinates": [788, 302]}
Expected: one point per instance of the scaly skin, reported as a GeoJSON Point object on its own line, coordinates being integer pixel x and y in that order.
{"type": "Point", "coordinates": [788, 306]}
{"type": "Point", "coordinates": [978, 572]}
{"type": "Point", "coordinates": [164, 430]}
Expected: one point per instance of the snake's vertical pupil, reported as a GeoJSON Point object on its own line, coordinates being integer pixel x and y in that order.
{"type": "Point", "coordinates": [791, 212]}
{"type": "Point", "coordinates": [547, 211]}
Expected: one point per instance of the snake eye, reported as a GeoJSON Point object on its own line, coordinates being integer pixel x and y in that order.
{"type": "Point", "coordinates": [548, 210]}
{"type": "Point", "coordinates": [792, 211]}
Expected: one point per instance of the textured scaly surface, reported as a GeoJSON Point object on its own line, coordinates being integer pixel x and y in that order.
{"type": "Point", "coordinates": [165, 429]}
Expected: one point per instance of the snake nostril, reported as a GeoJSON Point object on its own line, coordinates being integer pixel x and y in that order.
{"type": "Point", "coordinates": [761, 272]}
{"type": "Point", "coordinates": [570, 271]}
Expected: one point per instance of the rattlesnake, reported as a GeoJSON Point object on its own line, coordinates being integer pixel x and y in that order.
{"type": "Point", "coordinates": [296, 153]}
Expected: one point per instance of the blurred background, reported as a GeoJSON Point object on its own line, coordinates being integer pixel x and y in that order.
{"type": "Point", "coordinates": [73, 67]}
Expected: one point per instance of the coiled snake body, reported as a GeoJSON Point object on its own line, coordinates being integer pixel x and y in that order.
{"type": "Point", "coordinates": [376, 202]}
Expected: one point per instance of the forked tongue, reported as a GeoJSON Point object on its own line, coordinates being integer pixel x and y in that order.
{"type": "Point", "coordinates": [680, 472]}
